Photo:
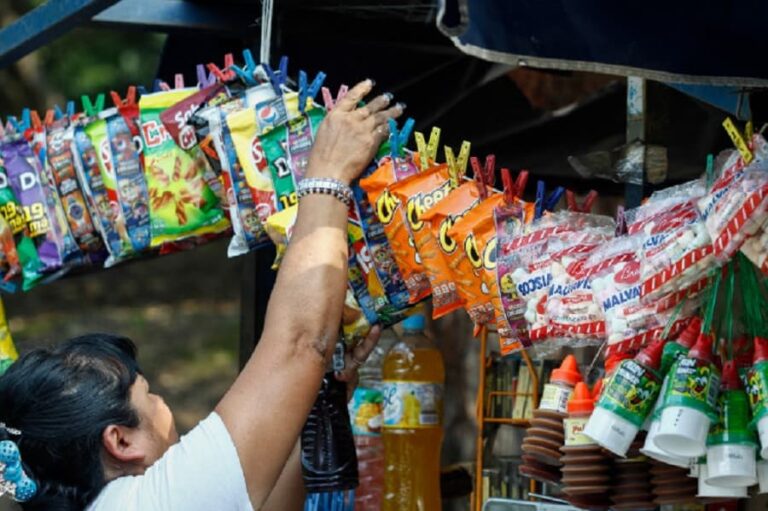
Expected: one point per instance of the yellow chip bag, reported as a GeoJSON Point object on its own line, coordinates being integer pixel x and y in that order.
{"type": "Point", "coordinates": [8, 353]}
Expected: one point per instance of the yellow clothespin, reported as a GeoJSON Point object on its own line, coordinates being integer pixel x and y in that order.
{"type": "Point", "coordinates": [427, 150]}
{"type": "Point", "coordinates": [738, 140]}
{"type": "Point", "coordinates": [457, 167]}
{"type": "Point", "coordinates": [749, 131]}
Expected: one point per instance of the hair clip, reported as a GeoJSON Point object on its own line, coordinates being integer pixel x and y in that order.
{"type": "Point", "coordinates": [13, 480]}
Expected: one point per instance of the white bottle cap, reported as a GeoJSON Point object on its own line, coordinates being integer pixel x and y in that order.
{"type": "Point", "coordinates": [708, 490]}
{"type": "Point", "coordinates": [611, 431]}
{"type": "Point", "coordinates": [683, 432]}
{"type": "Point", "coordinates": [731, 465]}
{"type": "Point", "coordinates": [651, 450]}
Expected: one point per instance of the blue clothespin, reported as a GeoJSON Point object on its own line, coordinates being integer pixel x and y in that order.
{"type": "Point", "coordinates": [58, 113]}
{"type": "Point", "coordinates": [247, 72]}
{"type": "Point", "coordinates": [309, 91]}
{"type": "Point", "coordinates": [279, 78]}
{"type": "Point", "coordinates": [405, 132]}
{"type": "Point", "coordinates": [394, 141]}
{"type": "Point", "coordinates": [546, 202]}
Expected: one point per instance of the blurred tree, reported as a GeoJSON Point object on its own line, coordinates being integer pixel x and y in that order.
{"type": "Point", "coordinates": [84, 61]}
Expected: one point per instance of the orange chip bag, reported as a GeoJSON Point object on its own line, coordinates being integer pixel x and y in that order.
{"type": "Point", "coordinates": [435, 245]}
{"type": "Point", "coordinates": [475, 236]}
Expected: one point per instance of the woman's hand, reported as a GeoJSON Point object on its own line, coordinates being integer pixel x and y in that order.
{"type": "Point", "coordinates": [349, 137]}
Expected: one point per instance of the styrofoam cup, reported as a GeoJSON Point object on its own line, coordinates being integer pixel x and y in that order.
{"type": "Point", "coordinates": [651, 450]}
{"type": "Point", "coordinates": [762, 475]}
{"type": "Point", "coordinates": [611, 431]}
{"type": "Point", "coordinates": [731, 465]}
{"type": "Point", "coordinates": [683, 432]}
{"type": "Point", "coordinates": [762, 431]}
{"type": "Point", "coordinates": [708, 490]}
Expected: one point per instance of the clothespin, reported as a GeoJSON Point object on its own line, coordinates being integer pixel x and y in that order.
{"type": "Point", "coordinates": [159, 85]}
{"type": "Point", "coordinates": [277, 79]}
{"type": "Point", "coordinates": [427, 150]}
{"type": "Point", "coordinates": [710, 176]}
{"type": "Point", "coordinates": [227, 73]}
{"type": "Point", "coordinates": [50, 115]}
{"type": "Point", "coordinates": [484, 177]}
{"type": "Point", "coordinates": [70, 112]}
{"type": "Point", "coordinates": [328, 100]}
{"type": "Point", "coordinates": [749, 131]}
{"type": "Point", "coordinates": [204, 79]}
{"type": "Point", "coordinates": [309, 91]}
{"type": "Point", "coordinates": [248, 72]}
{"type": "Point", "coordinates": [513, 190]}
{"type": "Point", "coordinates": [130, 97]}
{"type": "Point", "coordinates": [457, 166]}
{"type": "Point", "coordinates": [585, 206]}
{"type": "Point", "coordinates": [738, 140]}
{"type": "Point", "coordinates": [178, 81]}
{"type": "Point", "coordinates": [93, 109]}
{"type": "Point", "coordinates": [398, 137]}
{"type": "Point", "coordinates": [546, 202]}
{"type": "Point", "coordinates": [12, 126]}
{"type": "Point", "coordinates": [36, 124]}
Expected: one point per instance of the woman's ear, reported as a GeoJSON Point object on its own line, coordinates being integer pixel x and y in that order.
{"type": "Point", "coordinates": [122, 444]}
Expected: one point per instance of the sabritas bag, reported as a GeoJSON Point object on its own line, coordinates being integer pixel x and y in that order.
{"type": "Point", "coordinates": [435, 245]}
{"type": "Point", "coordinates": [417, 195]}
{"type": "Point", "coordinates": [475, 236]}
{"type": "Point", "coordinates": [182, 205]}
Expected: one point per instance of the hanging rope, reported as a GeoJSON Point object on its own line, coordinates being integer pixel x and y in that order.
{"type": "Point", "coordinates": [267, 10]}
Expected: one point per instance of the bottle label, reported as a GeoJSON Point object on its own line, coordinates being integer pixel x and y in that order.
{"type": "Point", "coordinates": [555, 398]}
{"type": "Point", "coordinates": [631, 392]}
{"type": "Point", "coordinates": [412, 404]}
{"type": "Point", "coordinates": [574, 428]}
{"type": "Point", "coordinates": [695, 383]}
{"type": "Point", "coordinates": [757, 390]}
{"type": "Point", "coordinates": [365, 412]}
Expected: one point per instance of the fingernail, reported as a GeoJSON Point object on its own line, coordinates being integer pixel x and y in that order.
{"type": "Point", "coordinates": [402, 106]}
{"type": "Point", "coordinates": [389, 96]}
{"type": "Point", "coordinates": [373, 82]}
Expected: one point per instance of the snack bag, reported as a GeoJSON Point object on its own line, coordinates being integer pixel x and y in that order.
{"type": "Point", "coordinates": [531, 255]}
{"type": "Point", "coordinates": [408, 199]}
{"type": "Point", "coordinates": [39, 213]}
{"type": "Point", "coordinates": [244, 128]}
{"type": "Point", "coordinates": [376, 244]}
{"type": "Point", "coordinates": [279, 227]}
{"type": "Point", "coordinates": [62, 157]}
{"type": "Point", "coordinates": [182, 204]}
{"type": "Point", "coordinates": [354, 325]}
{"type": "Point", "coordinates": [36, 136]}
{"type": "Point", "coordinates": [13, 216]}
{"type": "Point", "coordinates": [91, 181]}
{"type": "Point", "coordinates": [509, 309]}
{"type": "Point", "coordinates": [616, 286]}
{"type": "Point", "coordinates": [574, 317]}
{"type": "Point", "coordinates": [676, 252]}
{"type": "Point", "coordinates": [285, 150]}
{"type": "Point", "coordinates": [737, 204]}
{"type": "Point", "coordinates": [434, 245]}
{"type": "Point", "coordinates": [474, 235]}
{"type": "Point", "coordinates": [8, 353]}
{"type": "Point", "coordinates": [9, 257]}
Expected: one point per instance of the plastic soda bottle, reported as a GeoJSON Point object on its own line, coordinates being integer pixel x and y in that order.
{"type": "Point", "coordinates": [413, 380]}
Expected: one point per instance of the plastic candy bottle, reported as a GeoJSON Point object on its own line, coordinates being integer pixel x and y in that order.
{"type": "Point", "coordinates": [413, 412]}
{"type": "Point", "coordinates": [560, 387]}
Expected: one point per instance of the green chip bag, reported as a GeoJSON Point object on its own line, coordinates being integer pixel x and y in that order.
{"type": "Point", "coordinates": [182, 205]}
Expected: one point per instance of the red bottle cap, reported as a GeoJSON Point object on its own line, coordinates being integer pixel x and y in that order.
{"type": "Point", "coordinates": [614, 360]}
{"type": "Point", "coordinates": [581, 400]}
{"type": "Point", "coordinates": [703, 348]}
{"type": "Point", "coordinates": [761, 350]}
{"type": "Point", "coordinates": [731, 380]}
{"type": "Point", "coordinates": [568, 372]}
{"type": "Point", "coordinates": [691, 333]}
{"type": "Point", "coordinates": [650, 356]}
{"type": "Point", "coordinates": [597, 390]}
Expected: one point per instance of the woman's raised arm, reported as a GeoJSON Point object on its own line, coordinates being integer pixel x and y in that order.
{"type": "Point", "coordinates": [268, 404]}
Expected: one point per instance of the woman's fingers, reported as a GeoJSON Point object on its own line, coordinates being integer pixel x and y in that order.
{"type": "Point", "coordinates": [358, 355]}
{"type": "Point", "coordinates": [378, 104]}
{"type": "Point", "coordinates": [382, 118]}
{"type": "Point", "coordinates": [355, 95]}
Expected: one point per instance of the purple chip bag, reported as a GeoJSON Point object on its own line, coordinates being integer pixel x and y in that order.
{"type": "Point", "coordinates": [38, 213]}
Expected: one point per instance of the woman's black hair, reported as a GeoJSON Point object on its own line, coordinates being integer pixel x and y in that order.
{"type": "Point", "coordinates": [62, 399]}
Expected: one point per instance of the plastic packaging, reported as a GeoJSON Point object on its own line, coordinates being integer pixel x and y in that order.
{"type": "Point", "coordinates": [328, 459]}
{"type": "Point", "coordinates": [557, 392]}
{"type": "Point", "coordinates": [12, 213]}
{"type": "Point", "coordinates": [626, 401]}
{"type": "Point", "coordinates": [757, 390]}
{"type": "Point", "coordinates": [8, 353]}
{"type": "Point", "coordinates": [413, 411]}
{"type": "Point", "coordinates": [181, 203]}
{"type": "Point", "coordinates": [690, 402]}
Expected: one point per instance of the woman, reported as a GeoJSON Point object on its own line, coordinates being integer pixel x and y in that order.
{"type": "Point", "coordinates": [93, 436]}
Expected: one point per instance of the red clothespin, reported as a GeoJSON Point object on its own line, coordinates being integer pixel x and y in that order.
{"type": "Point", "coordinates": [479, 175]}
{"type": "Point", "coordinates": [37, 124]}
{"type": "Point", "coordinates": [130, 98]}
{"type": "Point", "coordinates": [513, 190]}
{"type": "Point", "coordinates": [227, 73]}
{"type": "Point", "coordinates": [585, 206]}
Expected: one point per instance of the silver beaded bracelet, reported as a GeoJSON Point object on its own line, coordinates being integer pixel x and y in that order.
{"type": "Point", "coordinates": [325, 186]}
